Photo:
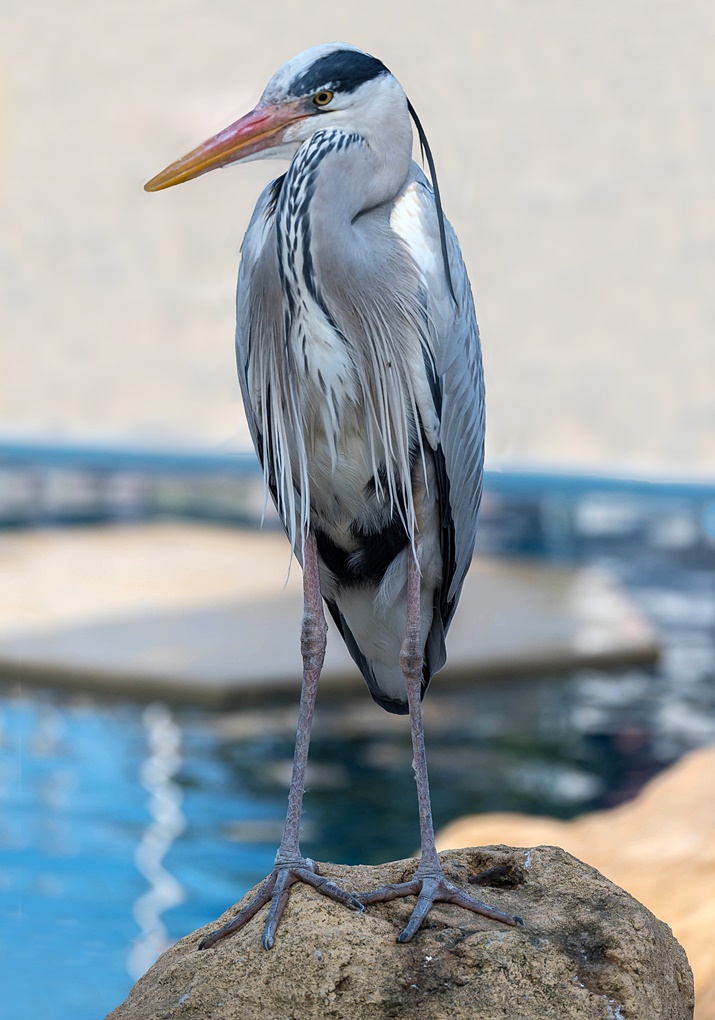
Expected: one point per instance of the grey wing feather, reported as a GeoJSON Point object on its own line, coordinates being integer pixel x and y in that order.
{"type": "Point", "coordinates": [255, 250]}
{"type": "Point", "coordinates": [453, 369]}
{"type": "Point", "coordinates": [259, 311]}
{"type": "Point", "coordinates": [458, 362]}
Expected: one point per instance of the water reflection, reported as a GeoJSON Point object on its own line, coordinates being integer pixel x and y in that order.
{"type": "Point", "coordinates": [167, 824]}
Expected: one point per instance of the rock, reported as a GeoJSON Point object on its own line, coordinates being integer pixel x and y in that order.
{"type": "Point", "coordinates": [588, 951]}
{"type": "Point", "coordinates": [660, 847]}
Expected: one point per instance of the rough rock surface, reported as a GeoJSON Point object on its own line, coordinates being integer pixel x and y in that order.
{"type": "Point", "coordinates": [660, 847]}
{"type": "Point", "coordinates": [588, 951]}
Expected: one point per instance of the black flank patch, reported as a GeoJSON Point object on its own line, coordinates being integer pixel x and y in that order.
{"type": "Point", "coordinates": [367, 564]}
{"type": "Point", "coordinates": [341, 70]}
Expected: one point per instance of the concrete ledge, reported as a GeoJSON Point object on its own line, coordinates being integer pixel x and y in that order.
{"type": "Point", "coordinates": [201, 613]}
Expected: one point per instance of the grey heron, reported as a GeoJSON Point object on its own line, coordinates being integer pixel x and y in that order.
{"type": "Point", "coordinates": [360, 368]}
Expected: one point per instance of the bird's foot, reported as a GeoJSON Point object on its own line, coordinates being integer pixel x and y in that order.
{"type": "Point", "coordinates": [276, 889]}
{"type": "Point", "coordinates": [431, 888]}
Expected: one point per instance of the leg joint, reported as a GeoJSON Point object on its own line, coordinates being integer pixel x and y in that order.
{"type": "Point", "coordinates": [313, 640]}
{"type": "Point", "coordinates": [411, 661]}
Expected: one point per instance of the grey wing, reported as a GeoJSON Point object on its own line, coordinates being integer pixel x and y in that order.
{"type": "Point", "coordinates": [458, 388]}
{"type": "Point", "coordinates": [258, 269]}
{"type": "Point", "coordinates": [458, 358]}
{"type": "Point", "coordinates": [259, 319]}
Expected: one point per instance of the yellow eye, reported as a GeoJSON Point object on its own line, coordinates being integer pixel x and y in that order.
{"type": "Point", "coordinates": [323, 98]}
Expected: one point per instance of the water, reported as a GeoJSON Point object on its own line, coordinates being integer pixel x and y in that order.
{"type": "Point", "coordinates": [124, 826]}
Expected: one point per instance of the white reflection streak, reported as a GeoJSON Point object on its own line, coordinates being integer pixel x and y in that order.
{"type": "Point", "coordinates": [168, 822]}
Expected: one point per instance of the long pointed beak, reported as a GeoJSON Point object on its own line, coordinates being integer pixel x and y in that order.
{"type": "Point", "coordinates": [262, 128]}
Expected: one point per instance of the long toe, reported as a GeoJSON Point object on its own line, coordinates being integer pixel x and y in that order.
{"type": "Point", "coordinates": [431, 889]}
{"type": "Point", "coordinates": [276, 890]}
{"type": "Point", "coordinates": [390, 892]}
{"type": "Point", "coordinates": [262, 897]}
{"type": "Point", "coordinates": [439, 890]}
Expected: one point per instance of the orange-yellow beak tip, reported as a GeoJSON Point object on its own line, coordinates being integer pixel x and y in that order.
{"type": "Point", "coordinates": [155, 184]}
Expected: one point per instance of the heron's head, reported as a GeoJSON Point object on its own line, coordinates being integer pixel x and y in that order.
{"type": "Point", "coordinates": [331, 86]}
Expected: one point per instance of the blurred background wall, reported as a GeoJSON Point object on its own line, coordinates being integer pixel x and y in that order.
{"type": "Point", "coordinates": [576, 148]}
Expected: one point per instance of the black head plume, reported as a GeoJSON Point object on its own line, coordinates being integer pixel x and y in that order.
{"type": "Point", "coordinates": [427, 153]}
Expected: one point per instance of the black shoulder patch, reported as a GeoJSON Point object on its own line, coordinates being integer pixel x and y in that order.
{"type": "Point", "coordinates": [273, 195]}
{"type": "Point", "coordinates": [341, 70]}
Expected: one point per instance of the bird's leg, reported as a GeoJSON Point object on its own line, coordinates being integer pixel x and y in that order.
{"type": "Point", "coordinates": [428, 882]}
{"type": "Point", "coordinates": [290, 865]}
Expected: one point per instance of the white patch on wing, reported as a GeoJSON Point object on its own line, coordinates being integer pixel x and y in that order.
{"type": "Point", "coordinates": [407, 219]}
